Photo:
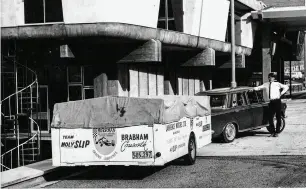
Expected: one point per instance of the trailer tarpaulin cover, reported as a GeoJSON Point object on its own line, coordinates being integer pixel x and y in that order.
{"type": "Point", "coordinates": [114, 111]}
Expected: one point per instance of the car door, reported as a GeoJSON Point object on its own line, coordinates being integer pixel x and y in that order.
{"type": "Point", "coordinates": [256, 107]}
{"type": "Point", "coordinates": [241, 111]}
{"type": "Point", "coordinates": [265, 107]}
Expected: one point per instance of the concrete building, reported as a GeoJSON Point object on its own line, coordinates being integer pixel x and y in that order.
{"type": "Point", "coordinates": [297, 66]}
{"type": "Point", "coordinates": [65, 50]}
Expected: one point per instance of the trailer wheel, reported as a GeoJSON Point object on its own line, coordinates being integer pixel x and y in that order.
{"type": "Point", "coordinates": [190, 158]}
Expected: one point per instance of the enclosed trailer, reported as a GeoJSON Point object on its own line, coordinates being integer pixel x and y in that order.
{"type": "Point", "coordinates": [130, 131]}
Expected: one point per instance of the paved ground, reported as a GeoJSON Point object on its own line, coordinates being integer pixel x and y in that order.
{"type": "Point", "coordinates": [292, 141]}
{"type": "Point", "coordinates": [208, 172]}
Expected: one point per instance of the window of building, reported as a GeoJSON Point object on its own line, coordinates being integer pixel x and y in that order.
{"type": "Point", "coordinates": [75, 92]}
{"type": "Point", "coordinates": [42, 11]}
{"type": "Point", "coordinates": [166, 17]}
{"type": "Point", "coordinates": [80, 82]}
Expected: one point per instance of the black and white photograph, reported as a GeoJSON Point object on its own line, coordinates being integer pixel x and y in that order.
{"type": "Point", "coordinates": [153, 94]}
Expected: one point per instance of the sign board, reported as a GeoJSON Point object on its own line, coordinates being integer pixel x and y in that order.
{"type": "Point", "coordinates": [106, 144]}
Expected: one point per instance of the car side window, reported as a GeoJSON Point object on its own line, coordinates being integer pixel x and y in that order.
{"type": "Point", "coordinates": [253, 97]}
{"type": "Point", "coordinates": [238, 100]}
{"type": "Point", "coordinates": [241, 99]}
{"type": "Point", "coordinates": [260, 96]}
{"type": "Point", "coordinates": [218, 101]}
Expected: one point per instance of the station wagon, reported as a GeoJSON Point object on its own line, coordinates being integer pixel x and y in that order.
{"type": "Point", "coordinates": [237, 110]}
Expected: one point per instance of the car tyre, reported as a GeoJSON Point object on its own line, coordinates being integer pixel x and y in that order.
{"type": "Point", "coordinates": [190, 158]}
{"type": "Point", "coordinates": [229, 132]}
{"type": "Point", "coordinates": [283, 124]}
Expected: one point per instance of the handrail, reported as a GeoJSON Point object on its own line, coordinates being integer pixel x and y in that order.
{"type": "Point", "coordinates": [4, 166]}
{"type": "Point", "coordinates": [23, 66]}
{"type": "Point", "coordinates": [19, 90]}
{"type": "Point", "coordinates": [38, 131]}
{"type": "Point", "coordinates": [38, 128]}
{"type": "Point", "coordinates": [35, 81]}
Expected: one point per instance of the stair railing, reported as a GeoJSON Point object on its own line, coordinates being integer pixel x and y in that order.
{"type": "Point", "coordinates": [21, 146]}
{"type": "Point", "coordinates": [37, 134]}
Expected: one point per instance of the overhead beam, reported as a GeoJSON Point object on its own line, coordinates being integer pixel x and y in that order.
{"type": "Point", "coordinates": [239, 62]}
{"type": "Point", "coordinates": [204, 58]}
{"type": "Point", "coordinates": [253, 4]}
{"type": "Point", "coordinates": [148, 52]}
{"type": "Point", "coordinates": [119, 31]}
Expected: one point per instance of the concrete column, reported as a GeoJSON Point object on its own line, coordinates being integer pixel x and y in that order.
{"type": "Point", "coordinates": [266, 56]}
{"type": "Point", "coordinates": [152, 80]}
{"type": "Point", "coordinates": [134, 85]}
{"type": "Point", "coordinates": [179, 85]}
{"type": "Point", "coordinates": [143, 81]}
{"type": "Point", "coordinates": [282, 70]}
{"type": "Point", "coordinates": [123, 83]}
{"type": "Point", "coordinates": [197, 85]}
{"type": "Point", "coordinates": [170, 72]}
{"type": "Point", "coordinates": [185, 82]}
{"type": "Point", "coordinates": [160, 80]}
{"type": "Point", "coordinates": [134, 74]}
{"type": "Point", "coordinates": [100, 85]}
{"type": "Point", "coordinates": [191, 82]}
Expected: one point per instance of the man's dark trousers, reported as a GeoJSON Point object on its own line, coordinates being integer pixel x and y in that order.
{"type": "Point", "coordinates": [275, 107]}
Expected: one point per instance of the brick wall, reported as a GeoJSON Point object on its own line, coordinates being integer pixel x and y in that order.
{"type": "Point", "coordinates": [284, 3]}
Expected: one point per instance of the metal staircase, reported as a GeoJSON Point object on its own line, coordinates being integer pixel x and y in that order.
{"type": "Point", "coordinates": [20, 145]}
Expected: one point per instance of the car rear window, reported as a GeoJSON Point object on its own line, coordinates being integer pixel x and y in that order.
{"type": "Point", "coordinates": [217, 101]}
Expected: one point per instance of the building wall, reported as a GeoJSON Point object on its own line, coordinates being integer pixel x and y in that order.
{"type": "Point", "coordinates": [245, 31]}
{"type": "Point", "coordinates": [138, 12]}
{"type": "Point", "coordinates": [205, 18]}
{"type": "Point", "coordinates": [12, 13]}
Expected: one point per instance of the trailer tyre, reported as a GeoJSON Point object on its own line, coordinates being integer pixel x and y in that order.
{"type": "Point", "coordinates": [190, 158]}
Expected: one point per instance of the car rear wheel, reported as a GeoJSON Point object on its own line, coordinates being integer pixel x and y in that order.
{"type": "Point", "coordinates": [229, 132]}
{"type": "Point", "coordinates": [282, 127]}
{"type": "Point", "coordinates": [190, 158]}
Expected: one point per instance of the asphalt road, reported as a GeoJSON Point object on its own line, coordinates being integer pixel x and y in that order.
{"type": "Point", "coordinates": [208, 172]}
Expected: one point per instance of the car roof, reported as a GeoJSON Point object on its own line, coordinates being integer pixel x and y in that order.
{"type": "Point", "coordinates": [220, 91]}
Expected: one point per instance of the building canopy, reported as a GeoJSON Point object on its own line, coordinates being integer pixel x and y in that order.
{"type": "Point", "coordinates": [291, 18]}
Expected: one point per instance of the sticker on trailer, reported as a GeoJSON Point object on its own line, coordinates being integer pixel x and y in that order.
{"type": "Point", "coordinates": [107, 144]}
{"type": "Point", "coordinates": [105, 140]}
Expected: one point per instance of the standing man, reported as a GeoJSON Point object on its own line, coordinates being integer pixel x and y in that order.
{"type": "Point", "coordinates": [274, 94]}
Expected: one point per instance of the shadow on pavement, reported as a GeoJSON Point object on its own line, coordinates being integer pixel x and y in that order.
{"type": "Point", "coordinates": [244, 135]}
{"type": "Point", "coordinates": [117, 173]}
{"type": "Point", "coordinates": [123, 172]}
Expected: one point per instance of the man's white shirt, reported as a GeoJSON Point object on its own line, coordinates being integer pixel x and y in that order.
{"type": "Point", "coordinates": [274, 89]}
